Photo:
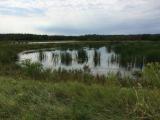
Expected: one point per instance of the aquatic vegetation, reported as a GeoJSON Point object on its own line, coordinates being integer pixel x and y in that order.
{"type": "Point", "coordinates": [149, 77]}
{"type": "Point", "coordinates": [82, 56]}
{"type": "Point", "coordinates": [66, 58]}
{"type": "Point", "coordinates": [97, 58]}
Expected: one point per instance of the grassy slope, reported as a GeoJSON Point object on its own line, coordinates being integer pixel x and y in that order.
{"type": "Point", "coordinates": [30, 100]}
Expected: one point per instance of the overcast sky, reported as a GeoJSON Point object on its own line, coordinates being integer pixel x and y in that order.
{"type": "Point", "coordinates": [74, 17]}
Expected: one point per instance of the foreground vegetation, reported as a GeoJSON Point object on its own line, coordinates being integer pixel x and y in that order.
{"type": "Point", "coordinates": [31, 92]}
{"type": "Point", "coordinates": [75, 95]}
{"type": "Point", "coordinates": [28, 99]}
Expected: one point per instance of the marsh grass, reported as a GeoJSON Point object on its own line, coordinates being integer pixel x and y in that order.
{"type": "Point", "coordinates": [33, 70]}
{"type": "Point", "coordinates": [37, 72]}
{"type": "Point", "coordinates": [150, 76]}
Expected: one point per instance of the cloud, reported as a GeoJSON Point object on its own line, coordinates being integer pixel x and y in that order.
{"type": "Point", "coordinates": [80, 16]}
{"type": "Point", "coordinates": [18, 11]}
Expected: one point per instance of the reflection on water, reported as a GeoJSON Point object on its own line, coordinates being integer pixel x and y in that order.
{"type": "Point", "coordinates": [101, 60]}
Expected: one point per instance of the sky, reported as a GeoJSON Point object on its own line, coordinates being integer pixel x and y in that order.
{"type": "Point", "coordinates": [78, 17]}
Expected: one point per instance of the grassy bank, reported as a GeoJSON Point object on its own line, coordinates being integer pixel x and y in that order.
{"type": "Point", "coordinates": [28, 99]}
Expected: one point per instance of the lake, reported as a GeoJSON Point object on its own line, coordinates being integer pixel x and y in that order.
{"type": "Point", "coordinates": [96, 58]}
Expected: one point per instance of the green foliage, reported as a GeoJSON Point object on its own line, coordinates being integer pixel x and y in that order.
{"type": "Point", "coordinates": [151, 75]}
{"type": "Point", "coordinates": [27, 99]}
{"type": "Point", "coordinates": [6, 53]}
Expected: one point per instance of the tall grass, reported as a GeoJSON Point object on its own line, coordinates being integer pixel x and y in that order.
{"type": "Point", "coordinates": [33, 70]}
{"type": "Point", "coordinates": [27, 99]}
{"type": "Point", "coordinates": [151, 75]}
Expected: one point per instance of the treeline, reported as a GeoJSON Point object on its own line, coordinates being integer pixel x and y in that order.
{"type": "Point", "coordinates": [32, 37]}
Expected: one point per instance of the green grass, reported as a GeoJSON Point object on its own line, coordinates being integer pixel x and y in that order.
{"type": "Point", "coordinates": [148, 78]}
{"type": "Point", "coordinates": [30, 100]}
{"type": "Point", "coordinates": [31, 92]}
{"type": "Point", "coordinates": [151, 75]}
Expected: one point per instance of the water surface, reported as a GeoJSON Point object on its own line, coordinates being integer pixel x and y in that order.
{"type": "Point", "coordinates": [98, 58]}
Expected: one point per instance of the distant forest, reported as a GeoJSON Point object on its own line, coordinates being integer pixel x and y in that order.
{"type": "Point", "coordinates": [32, 37]}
